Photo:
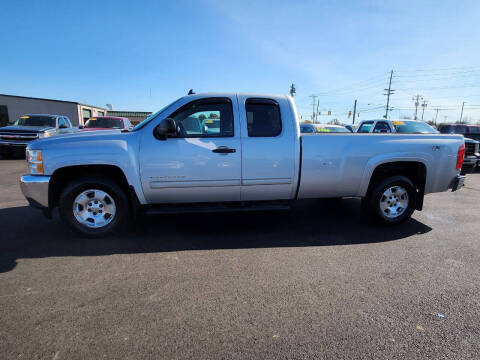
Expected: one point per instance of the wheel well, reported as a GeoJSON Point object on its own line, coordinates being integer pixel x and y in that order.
{"type": "Point", "coordinates": [63, 176]}
{"type": "Point", "coordinates": [414, 170]}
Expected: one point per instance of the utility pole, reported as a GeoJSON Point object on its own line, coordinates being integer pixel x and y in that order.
{"type": "Point", "coordinates": [318, 104]}
{"type": "Point", "coordinates": [461, 114]}
{"type": "Point", "coordinates": [424, 105]}
{"type": "Point", "coordinates": [354, 110]}
{"type": "Point", "coordinates": [389, 92]}
{"type": "Point", "coordinates": [293, 91]}
{"type": "Point", "coordinates": [417, 102]}
{"type": "Point", "coordinates": [436, 115]}
{"type": "Point", "coordinates": [314, 97]}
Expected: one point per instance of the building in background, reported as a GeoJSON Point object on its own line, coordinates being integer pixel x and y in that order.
{"type": "Point", "coordinates": [13, 106]}
{"type": "Point", "coordinates": [135, 117]}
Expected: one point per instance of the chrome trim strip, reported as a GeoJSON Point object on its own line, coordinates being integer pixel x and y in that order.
{"type": "Point", "coordinates": [159, 184]}
{"type": "Point", "coordinates": [274, 181]}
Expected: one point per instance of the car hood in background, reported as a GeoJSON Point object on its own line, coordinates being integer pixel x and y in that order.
{"type": "Point", "coordinates": [30, 129]}
{"type": "Point", "coordinates": [94, 129]}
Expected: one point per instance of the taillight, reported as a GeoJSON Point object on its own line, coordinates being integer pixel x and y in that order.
{"type": "Point", "coordinates": [460, 156]}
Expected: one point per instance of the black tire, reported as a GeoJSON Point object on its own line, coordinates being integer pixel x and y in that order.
{"type": "Point", "coordinates": [371, 203]}
{"type": "Point", "coordinates": [122, 207]}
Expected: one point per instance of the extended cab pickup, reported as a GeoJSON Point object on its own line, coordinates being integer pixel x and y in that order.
{"type": "Point", "coordinates": [224, 152]}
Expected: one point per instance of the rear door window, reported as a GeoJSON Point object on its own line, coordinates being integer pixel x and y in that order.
{"type": "Point", "coordinates": [263, 118]}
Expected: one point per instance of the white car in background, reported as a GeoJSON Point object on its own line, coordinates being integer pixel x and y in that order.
{"type": "Point", "coordinates": [396, 126]}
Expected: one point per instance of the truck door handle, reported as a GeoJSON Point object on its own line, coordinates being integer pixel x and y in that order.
{"type": "Point", "coordinates": [224, 150]}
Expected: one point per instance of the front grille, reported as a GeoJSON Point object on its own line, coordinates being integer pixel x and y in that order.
{"type": "Point", "coordinates": [23, 136]}
{"type": "Point", "coordinates": [469, 149]}
{"type": "Point", "coordinates": [17, 136]}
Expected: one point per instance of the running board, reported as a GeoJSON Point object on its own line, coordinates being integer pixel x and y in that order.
{"type": "Point", "coordinates": [214, 208]}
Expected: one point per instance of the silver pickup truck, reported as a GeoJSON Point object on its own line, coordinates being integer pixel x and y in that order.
{"type": "Point", "coordinates": [31, 127]}
{"type": "Point", "coordinates": [231, 152]}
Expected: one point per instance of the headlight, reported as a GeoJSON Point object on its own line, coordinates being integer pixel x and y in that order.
{"type": "Point", "coordinates": [35, 161]}
{"type": "Point", "coordinates": [44, 134]}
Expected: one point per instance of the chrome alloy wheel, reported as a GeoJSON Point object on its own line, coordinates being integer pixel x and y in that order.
{"type": "Point", "coordinates": [94, 208]}
{"type": "Point", "coordinates": [394, 202]}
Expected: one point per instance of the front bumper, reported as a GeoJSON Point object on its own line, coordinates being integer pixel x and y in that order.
{"type": "Point", "coordinates": [35, 190]}
{"type": "Point", "coordinates": [458, 182]}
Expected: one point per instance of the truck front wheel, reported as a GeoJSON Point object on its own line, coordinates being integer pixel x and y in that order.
{"type": "Point", "coordinates": [392, 201]}
{"type": "Point", "coordinates": [94, 206]}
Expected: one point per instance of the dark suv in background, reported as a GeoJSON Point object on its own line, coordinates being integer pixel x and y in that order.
{"type": "Point", "coordinates": [471, 133]}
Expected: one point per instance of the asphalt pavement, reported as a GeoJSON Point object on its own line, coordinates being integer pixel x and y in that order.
{"type": "Point", "coordinates": [317, 282]}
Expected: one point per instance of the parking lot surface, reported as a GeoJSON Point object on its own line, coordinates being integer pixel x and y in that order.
{"type": "Point", "coordinates": [317, 282]}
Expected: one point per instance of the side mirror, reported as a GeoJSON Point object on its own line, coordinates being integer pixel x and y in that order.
{"type": "Point", "coordinates": [167, 128]}
{"type": "Point", "coordinates": [63, 126]}
{"type": "Point", "coordinates": [81, 126]}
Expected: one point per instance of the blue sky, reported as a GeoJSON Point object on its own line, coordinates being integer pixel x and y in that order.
{"type": "Point", "coordinates": [141, 55]}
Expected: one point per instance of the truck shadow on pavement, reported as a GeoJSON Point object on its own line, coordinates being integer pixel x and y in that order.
{"type": "Point", "coordinates": [27, 234]}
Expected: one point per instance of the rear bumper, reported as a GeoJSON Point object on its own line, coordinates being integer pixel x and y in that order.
{"type": "Point", "coordinates": [458, 182]}
{"type": "Point", "coordinates": [35, 190]}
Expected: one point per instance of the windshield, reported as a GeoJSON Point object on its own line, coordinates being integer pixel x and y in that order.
{"type": "Point", "coordinates": [35, 120]}
{"type": "Point", "coordinates": [153, 116]}
{"type": "Point", "coordinates": [411, 127]}
{"type": "Point", "coordinates": [106, 123]}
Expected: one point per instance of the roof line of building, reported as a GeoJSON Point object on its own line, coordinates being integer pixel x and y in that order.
{"type": "Point", "coordinates": [45, 99]}
{"type": "Point", "coordinates": [130, 111]}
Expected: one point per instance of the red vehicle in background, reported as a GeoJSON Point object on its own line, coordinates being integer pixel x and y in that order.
{"type": "Point", "coordinates": [106, 123]}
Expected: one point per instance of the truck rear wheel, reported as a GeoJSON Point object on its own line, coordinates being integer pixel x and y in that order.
{"type": "Point", "coordinates": [392, 201]}
{"type": "Point", "coordinates": [94, 206]}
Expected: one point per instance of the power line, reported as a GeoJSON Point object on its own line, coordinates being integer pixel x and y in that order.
{"type": "Point", "coordinates": [442, 69]}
